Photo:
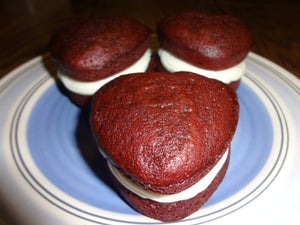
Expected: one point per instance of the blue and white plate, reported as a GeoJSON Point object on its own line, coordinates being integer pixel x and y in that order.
{"type": "Point", "coordinates": [52, 173]}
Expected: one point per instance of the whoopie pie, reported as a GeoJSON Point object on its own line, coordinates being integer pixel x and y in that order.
{"type": "Point", "coordinates": [166, 137]}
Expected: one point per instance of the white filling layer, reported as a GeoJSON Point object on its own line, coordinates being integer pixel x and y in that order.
{"type": "Point", "coordinates": [90, 87]}
{"type": "Point", "coordinates": [189, 193]}
{"type": "Point", "coordinates": [174, 64]}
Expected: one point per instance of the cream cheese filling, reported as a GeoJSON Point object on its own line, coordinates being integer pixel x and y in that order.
{"type": "Point", "coordinates": [174, 64]}
{"type": "Point", "coordinates": [189, 193]}
{"type": "Point", "coordinates": [90, 87]}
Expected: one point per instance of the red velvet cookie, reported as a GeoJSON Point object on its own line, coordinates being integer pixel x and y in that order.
{"type": "Point", "coordinates": [91, 50]}
{"type": "Point", "coordinates": [210, 42]}
{"type": "Point", "coordinates": [165, 131]}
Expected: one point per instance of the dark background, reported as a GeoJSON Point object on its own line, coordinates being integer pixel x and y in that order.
{"type": "Point", "coordinates": [27, 25]}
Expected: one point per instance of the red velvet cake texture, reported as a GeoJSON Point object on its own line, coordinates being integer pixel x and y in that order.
{"type": "Point", "coordinates": [90, 50]}
{"type": "Point", "coordinates": [164, 131]}
{"type": "Point", "coordinates": [212, 42]}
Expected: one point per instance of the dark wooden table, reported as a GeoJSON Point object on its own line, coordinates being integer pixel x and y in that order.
{"type": "Point", "coordinates": [27, 25]}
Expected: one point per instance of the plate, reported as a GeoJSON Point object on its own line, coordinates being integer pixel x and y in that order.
{"type": "Point", "coordinates": [51, 169]}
